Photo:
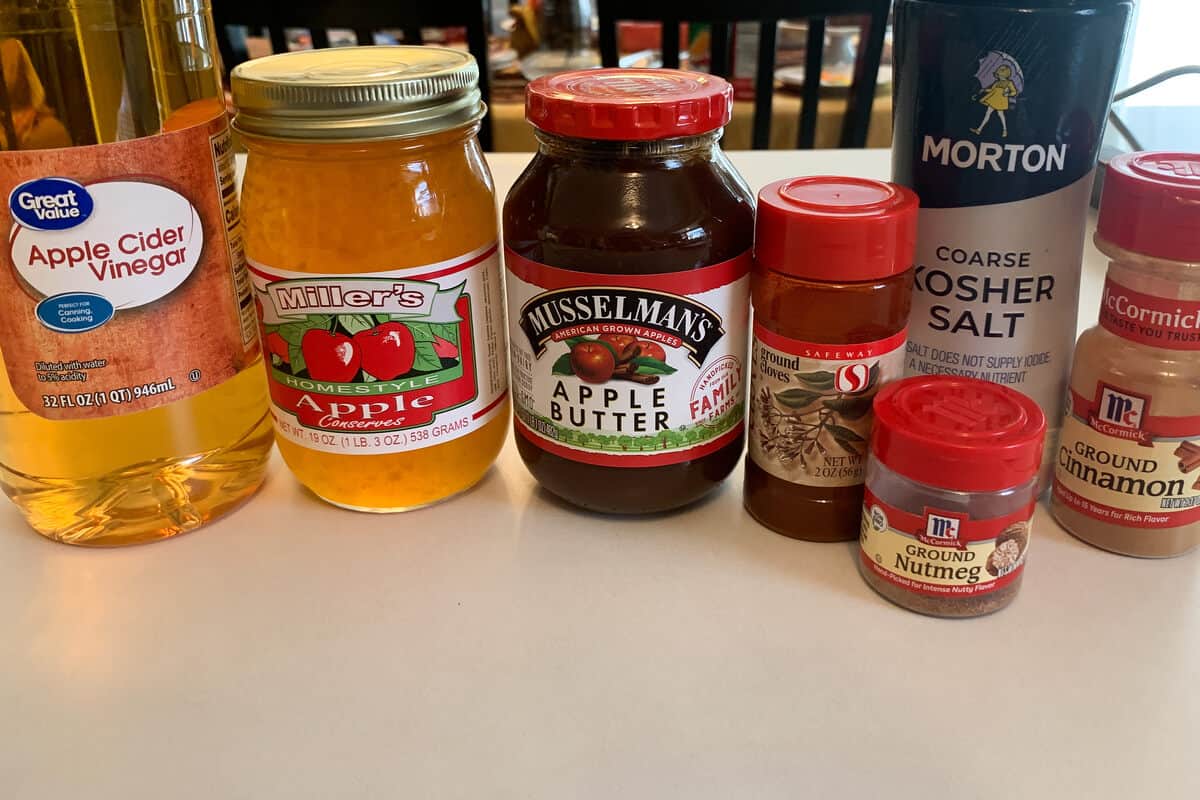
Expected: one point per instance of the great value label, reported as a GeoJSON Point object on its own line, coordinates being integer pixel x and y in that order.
{"type": "Point", "coordinates": [125, 285]}
{"type": "Point", "coordinates": [628, 370]}
{"type": "Point", "coordinates": [384, 362]}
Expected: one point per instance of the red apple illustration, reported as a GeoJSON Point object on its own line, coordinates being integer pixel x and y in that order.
{"type": "Point", "coordinates": [278, 346]}
{"type": "Point", "coordinates": [330, 356]}
{"type": "Point", "coordinates": [388, 350]}
{"type": "Point", "coordinates": [652, 350]}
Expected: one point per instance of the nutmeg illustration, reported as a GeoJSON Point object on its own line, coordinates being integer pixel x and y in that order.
{"type": "Point", "coordinates": [1010, 546]}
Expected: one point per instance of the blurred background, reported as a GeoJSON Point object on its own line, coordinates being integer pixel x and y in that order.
{"type": "Point", "coordinates": [806, 73]}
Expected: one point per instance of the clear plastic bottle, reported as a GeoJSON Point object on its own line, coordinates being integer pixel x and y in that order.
{"type": "Point", "coordinates": [132, 406]}
{"type": "Point", "coordinates": [1127, 468]}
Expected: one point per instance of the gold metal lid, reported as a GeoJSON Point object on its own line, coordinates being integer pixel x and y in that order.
{"type": "Point", "coordinates": [356, 93]}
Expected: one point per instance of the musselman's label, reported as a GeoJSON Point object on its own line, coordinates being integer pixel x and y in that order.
{"type": "Point", "coordinates": [628, 370]}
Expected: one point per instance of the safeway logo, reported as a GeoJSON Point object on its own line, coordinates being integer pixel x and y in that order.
{"type": "Point", "coordinates": [852, 378]}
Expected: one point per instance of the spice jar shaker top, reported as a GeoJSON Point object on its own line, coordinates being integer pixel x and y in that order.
{"type": "Point", "coordinates": [1127, 469]}
{"type": "Point", "coordinates": [832, 287]}
{"type": "Point", "coordinates": [951, 489]}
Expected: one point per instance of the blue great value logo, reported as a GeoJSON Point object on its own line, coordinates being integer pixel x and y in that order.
{"type": "Point", "coordinates": [50, 204]}
{"type": "Point", "coordinates": [74, 312]}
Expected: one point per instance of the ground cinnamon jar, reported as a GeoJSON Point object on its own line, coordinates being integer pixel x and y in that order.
{"type": "Point", "coordinates": [627, 245]}
{"type": "Point", "coordinates": [832, 286]}
{"type": "Point", "coordinates": [951, 489]}
{"type": "Point", "coordinates": [1127, 470]}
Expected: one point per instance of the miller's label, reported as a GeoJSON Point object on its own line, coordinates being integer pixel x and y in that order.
{"type": "Point", "coordinates": [999, 117]}
{"type": "Point", "coordinates": [384, 362]}
{"type": "Point", "coordinates": [628, 370]}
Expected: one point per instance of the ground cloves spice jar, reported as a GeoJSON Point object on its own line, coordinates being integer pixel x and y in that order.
{"type": "Point", "coordinates": [627, 245]}
{"type": "Point", "coordinates": [1127, 469]}
{"type": "Point", "coordinates": [371, 235]}
{"type": "Point", "coordinates": [951, 489]}
{"type": "Point", "coordinates": [832, 288]}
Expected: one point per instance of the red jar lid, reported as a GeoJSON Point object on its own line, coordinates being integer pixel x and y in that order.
{"type": "Point", "coordinates": [961, 434]}
{"type": "Point", "coordinates": [628, 104]}
{"type": "Point", "coordinates": [1151, 205]}
{"type": "Point", "coordinates": [836, 229]}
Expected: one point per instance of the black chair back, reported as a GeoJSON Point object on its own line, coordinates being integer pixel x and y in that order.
{"type": "Point", "coordinates": [364, 18]}
{"type": "Point", "coordinates": [722, 13]}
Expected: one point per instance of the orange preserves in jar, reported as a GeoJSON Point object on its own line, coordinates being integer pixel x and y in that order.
{"type": "Point", "coordinates": [371, 236]}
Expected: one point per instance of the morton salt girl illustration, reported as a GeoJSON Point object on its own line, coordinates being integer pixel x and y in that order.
{"type": "Point", "coordinates": [1000, 108]}
{"type": "Point", "coordinates": [131, 402]}
{"type": "Point", "coordinates": [371, 234]}
{"type": "Point", "coordinates": [627, 246]}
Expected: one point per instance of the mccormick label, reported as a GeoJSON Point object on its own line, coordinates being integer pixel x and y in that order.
{"type": "Point", "coordinates": [123, 286]}
{"type": "Point", "coordinates": [385, 362]}
{"type": "Point", "coordinates": [1120, 462]}
{"type": "Point", "coordinates": [1149, 320]}
{"type": "Point", "coordinates": [999, 115]}
{"type": "Point", "coordinates": [1124, 457]}
{"type": "Point", "coordinates": [942, 553]}
{"type": "Point", "coordinates": [644, 373]}
{"type": "Point", "coordinates": [810, 405]}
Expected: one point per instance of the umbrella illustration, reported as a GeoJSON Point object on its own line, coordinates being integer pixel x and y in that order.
{"type": "Point", "coordinates": [1002, 81]}
{"type": "Point", "coordinates": [986, 74]}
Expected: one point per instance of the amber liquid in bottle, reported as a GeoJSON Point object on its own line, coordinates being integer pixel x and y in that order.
{"type": "Point", "coordinates": [629, 209]}
{"type": "Point", "coordinates": [93, 73]}
{"type": "Point", "coordinates": [823, 313]}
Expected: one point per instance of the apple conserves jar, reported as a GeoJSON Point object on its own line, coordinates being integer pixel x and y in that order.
{"type": "Point", "coordinates": [627, 246]}
{"type": "Point", "coordinates": [372, 242]}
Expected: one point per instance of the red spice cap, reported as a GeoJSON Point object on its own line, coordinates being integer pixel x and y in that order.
{"type": "Point", "coordinates": [1151, 205]}
{"type": "Point", "coordinates": [962, 434]}
{"type": "Point", "coordinates": [836, 229]}
{"type": "Point", "coordinates": [628, 104]}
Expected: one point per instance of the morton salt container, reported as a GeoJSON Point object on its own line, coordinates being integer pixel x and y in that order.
{"type": "Point", "coordinates": [999, 111]}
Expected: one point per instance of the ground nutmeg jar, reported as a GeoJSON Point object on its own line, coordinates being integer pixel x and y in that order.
{"type": "Point", "coordinates": [1127, 469]}
{"type": "Point", "coordinates": [951, 489]}
{"type": "Point", "coordinates": [831, 288]}
{"type": "Point", "coordinates": [627, 245]}
{"type": "Point", "coordinates": [371, 235]}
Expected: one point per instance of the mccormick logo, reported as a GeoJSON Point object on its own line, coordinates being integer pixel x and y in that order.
{"type": "Point", "coordinates": [301, 297]}
{"type": "Point", "coordinates": [943, 529]}
{"type": "Point", "coordinates": [589, 310]}
{"type": "Point", "coordinates": [1001, 83]}
{"type": "Point", "coordinates": [1120, 414]}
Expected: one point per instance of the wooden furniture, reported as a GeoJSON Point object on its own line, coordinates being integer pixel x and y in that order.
{"type": "Point", "coordinates": [721, 14]}
{"type": "Point", "coordinates": [364, 18]}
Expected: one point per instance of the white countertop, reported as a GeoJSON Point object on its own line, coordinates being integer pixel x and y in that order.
{"type": "Point", "coordinates": [505, 646]}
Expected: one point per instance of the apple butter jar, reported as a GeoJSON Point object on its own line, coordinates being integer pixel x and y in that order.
{"type": "Point", "coordinates": [627, 244]}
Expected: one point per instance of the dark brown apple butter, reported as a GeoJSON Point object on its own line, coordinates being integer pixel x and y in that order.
{"type": "Point", "coordinates": [627, 243]}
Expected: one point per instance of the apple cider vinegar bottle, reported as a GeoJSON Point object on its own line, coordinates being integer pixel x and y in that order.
{"type": "Point", "coordinates": [132, 407]}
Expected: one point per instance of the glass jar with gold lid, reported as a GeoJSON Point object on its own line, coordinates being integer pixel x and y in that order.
{"type": "Point", "coordinates": [371, 237]}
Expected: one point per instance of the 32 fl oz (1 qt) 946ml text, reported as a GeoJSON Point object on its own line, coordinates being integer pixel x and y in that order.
{"type": "Point", "coordinates": [124, 394]}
